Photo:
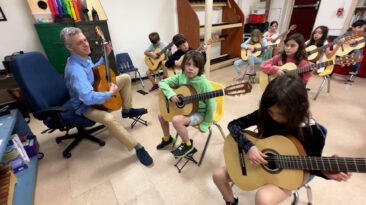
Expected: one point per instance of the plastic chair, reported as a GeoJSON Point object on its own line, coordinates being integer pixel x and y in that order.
{"type": "Point", "coordinates": [125, 65]}
{"type": "Point", "coordinates": [219, 111]}
{"type": "Point", "coordinates": [326, 76]}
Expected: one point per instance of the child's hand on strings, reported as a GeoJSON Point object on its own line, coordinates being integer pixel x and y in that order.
{"type": "Point", "coordinates": [175, 99]}
{"type": "Point", "coordinates": [279, 71]}
{"type": "Point", "coordinates": [251, 49]}
{"type": "Point", "coordinates": [338, 176]}
{"type": "Point", "coordinates": [255, 156]}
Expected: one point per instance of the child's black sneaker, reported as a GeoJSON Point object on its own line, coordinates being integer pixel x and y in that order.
{"type": "Point", "coordinates": [166, 144]}
{"type": "Point", "coordinates": [183, 150]}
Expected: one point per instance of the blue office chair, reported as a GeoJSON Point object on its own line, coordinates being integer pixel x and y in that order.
{"type": "Point", "coordinates": [46, 92]}
{"type": "Point", "coordinates": [125, 65]}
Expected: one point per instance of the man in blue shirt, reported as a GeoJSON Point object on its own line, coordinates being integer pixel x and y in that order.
{"type": "Point", "coordinates": [79, 80]}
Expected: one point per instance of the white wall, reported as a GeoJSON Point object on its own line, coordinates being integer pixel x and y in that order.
{"type": "Point", "coordinates": [18, 32]}
{"type": "Point", "coordinates": [327, 15]}
{"type": "Point", "coordinates": [130, 23]}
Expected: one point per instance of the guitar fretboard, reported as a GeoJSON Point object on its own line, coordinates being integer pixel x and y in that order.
{"type": "Point", "coordinates": [164, 49]}
{"type": "Point", "coordinates": [310, 67]}
{"type": "Point", "coordinates": [203, 96]}
{"type": "Point", "coordinates": [339, 164]}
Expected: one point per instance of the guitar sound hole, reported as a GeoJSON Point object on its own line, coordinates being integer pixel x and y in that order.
{"type": "Point", "coordinates": [271, 166]}
{"type": "Point", "coordinates": [181, 103]}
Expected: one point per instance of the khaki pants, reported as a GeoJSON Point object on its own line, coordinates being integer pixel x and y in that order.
{"type": "Point", "coordinates": [108, 120]}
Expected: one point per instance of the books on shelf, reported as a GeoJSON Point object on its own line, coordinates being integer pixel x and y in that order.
{"type": "Point", "coordinates": [15, 155]}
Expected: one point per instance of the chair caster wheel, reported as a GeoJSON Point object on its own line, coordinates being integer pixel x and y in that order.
{"type": "Point", "coordinates": [40, 155]}
{"type": "Point", "coordinates": [101, 144]}
{"type": "Point", "coordinates": [66, 154]}
{"type": "Point", "coordinates": [58, 141]}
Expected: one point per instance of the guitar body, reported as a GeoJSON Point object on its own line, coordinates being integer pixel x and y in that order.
{"type": "Point", "coordinates": [153, 63]}
{"type": "Point", "coordinates": [276, 42]}
{"type": "Point", "coordinates": [169, 109]}
{"type": "Point", "coordinates": [246, 52]}
{"type": "Point", "coordinates": [314, 56]}
{"type": "Point", "coordinates": [101, 85]}
{"type": "Point", "coordinates": [173, 71]}
{"type": "Point", "coordinates": [258, 175]}
{"type": "Point", "coordinates": [265, 78]}
{"type": "Point", "coordinates": [347, 48]}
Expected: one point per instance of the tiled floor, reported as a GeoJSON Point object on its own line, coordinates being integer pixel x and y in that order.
{"type": "Point", "coordinates": [112, 175]}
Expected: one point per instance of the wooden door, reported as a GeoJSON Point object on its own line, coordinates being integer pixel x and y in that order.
{"type": "Point", "coordinates": [303, 15]}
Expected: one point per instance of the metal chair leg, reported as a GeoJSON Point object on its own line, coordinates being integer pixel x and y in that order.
{"type": "Point", "coordinates": [309, 193]}
{"type": "Point", "coordinates": [295, 193]}
{"type": "Point", "coordinates": [142, 83]}
{"type": "Point", "coordinates": [222, 132]}
{"type": "Point", "coordinates": [321, 87]}
{"type": "Point", "coordinates": [206, 145]}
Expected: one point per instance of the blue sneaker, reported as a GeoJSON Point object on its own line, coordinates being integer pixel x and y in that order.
{"type": "Point", "coordinates": [183, 150]}
{"type": "Point", "coordinates": [134, 112]}
{"type": "Point", "coordinates": [144, 157]}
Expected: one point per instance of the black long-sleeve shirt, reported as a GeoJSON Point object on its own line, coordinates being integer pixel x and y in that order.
{"type": "Point", "coordinates": [176, 56]}
{"type": "Point", "coordinates": [313, 144]}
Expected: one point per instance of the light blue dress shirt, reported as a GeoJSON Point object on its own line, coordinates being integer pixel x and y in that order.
{"type": "Point", "coordinates": [79, 80]}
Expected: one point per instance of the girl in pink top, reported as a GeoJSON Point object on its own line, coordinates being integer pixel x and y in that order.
{"type": "Point", "coordinates": [269, 34]}
{"type": "Point", "coordinates": [272, 30]}
{"type": "Point", "coordinates": [294, 53]}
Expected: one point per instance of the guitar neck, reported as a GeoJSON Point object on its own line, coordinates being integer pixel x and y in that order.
{"type": "Point", "coordinates": [200, 48]}
{"type": "Point", "coordinates": [310, 67]}
{"type": "Point", "coordinates": [164, 49]}
{"type": "Point", "coordinates": [282, 34]}
{"type": "Point", "coordinates": [203, 96]}
{"type": "Point", "coordinates": [322, 47]}
{"type": "Point", "coordinates": [339, 164]}
{"type": "Point", "coordinates": [106, 62]}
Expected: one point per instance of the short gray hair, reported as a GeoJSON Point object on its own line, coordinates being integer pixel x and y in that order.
{"type": "Point", "coordinates": [67, 32]}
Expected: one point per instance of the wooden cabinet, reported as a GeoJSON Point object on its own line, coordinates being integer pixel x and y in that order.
{"type": "Point", "coordinates": [232, 28]}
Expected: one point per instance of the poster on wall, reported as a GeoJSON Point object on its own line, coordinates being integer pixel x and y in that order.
{"type": "Point", "coordinates": [2, 15]}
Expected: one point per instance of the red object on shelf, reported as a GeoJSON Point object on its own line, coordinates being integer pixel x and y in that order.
{"type": "Point", "coordinates": [345, 70]}
{"type": "Point", "coordinates": [257, 18]}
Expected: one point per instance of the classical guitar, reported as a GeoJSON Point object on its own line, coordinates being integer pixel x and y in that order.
{"type": "Point", "coordinates": [103, 76]}
{"type": "Point", "coordinates": [154, 63]}
{"type": "Point", "coordinates": [348, 47]}
{"type": "Point", "coordinates": [175, 69]}
{"type": "Point", "coordinates": [288, 166]}
{"type": "Point", "coordinates": [276, 39]}
{"type": "Point", "coordinates": [314, 53]}
{"type": "Point", "coordinates": [291, 68]}
{"type": "Point", "coordinates": [258, 50]}
{"type": "Point", "coordinates": [189, 99]}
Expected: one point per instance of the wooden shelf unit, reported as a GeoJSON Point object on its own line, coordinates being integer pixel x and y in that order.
{"type": "Point", "coordinates": [232, 27]}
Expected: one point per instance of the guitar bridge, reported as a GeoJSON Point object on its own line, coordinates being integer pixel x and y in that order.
{"type": "Point", "coordinates": [167, 105]}
{"type": "Point", "coordinates": [242, 161]}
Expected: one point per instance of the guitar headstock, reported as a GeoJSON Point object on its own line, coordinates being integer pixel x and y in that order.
{"type": "Point", "coordinates": [293, 27]}
{"type": "Point", "coordinates": [239, 88]}
{"type": "Point", "coordinates": [349, 59]}
{"type": "Point", "coordinates": [354, 35]}
{"type": "Point", "coordinates": [99, 32]}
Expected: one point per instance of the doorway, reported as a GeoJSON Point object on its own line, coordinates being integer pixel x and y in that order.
{"type": "Point", "coordinates": [303, 15]}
